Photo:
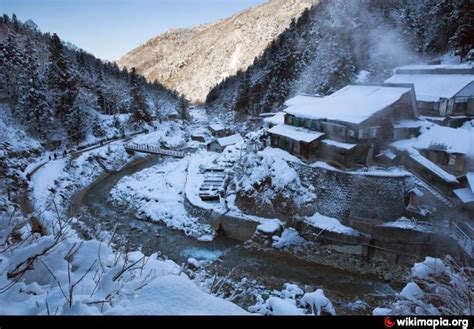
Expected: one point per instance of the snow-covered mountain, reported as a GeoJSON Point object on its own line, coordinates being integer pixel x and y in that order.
{"type": "Point", "coordinates": [338, 42]}
{"type": "Point", "coordinates": [194, 60]}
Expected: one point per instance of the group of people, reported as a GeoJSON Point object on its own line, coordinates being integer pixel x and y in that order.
{"type": "Point", "coordinates": [55, 155]}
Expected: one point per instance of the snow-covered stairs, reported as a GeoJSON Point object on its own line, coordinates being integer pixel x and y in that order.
{"type": "Point", "coordinates": [434, 192]}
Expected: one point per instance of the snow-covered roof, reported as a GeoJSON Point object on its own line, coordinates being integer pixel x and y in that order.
{"type": "Point", "coordinates": [470, 180]}
{"type": "Point", "coordinates": [443, 67]}
{"type": "Point", "coordinates": [407, 124]}
{"type": "Point", "coordinates": [430, 118]}
{"type": "Point", "coordinates": [296, 133]}
{"type": "Point", "coordinates": [417, 191]}
{"type": "Point", "coordinates": [276, 119]}
{"type": "Point", "coordinates": [465, 195]}
{"type": "Point", "coordinates": [216, 127]}
{"type": "Point", "coordinates": [432, 87]}
{"type": "Point", "coordinates": [389, 154]}
{"type": "Point", "coordinates": [353, 103]}
{"type": "Point", "coordinates": [337, 144]}
{"type": "Point", "coordinates": [456, 140]}
{"type": "Point", "coordinates": [434, 168]}
{"type": "Point", "coordinates": [407, 224]}
{"type": "Point", "coordinates": [230, 140]}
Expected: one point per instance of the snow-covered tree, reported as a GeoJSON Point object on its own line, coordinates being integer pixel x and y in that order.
{"type": "Point", "coordinates": [138, 107]}
{"type": "Point", "coordinates": [61, 79]}
{"type": "Point", "coordinates": [33, 104]}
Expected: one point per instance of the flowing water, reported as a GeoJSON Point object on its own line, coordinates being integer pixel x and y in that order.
{"type": "Point", "coordinates": [266, 267]}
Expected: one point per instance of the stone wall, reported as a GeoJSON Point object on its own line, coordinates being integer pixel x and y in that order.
{"type": "Point", "coordinates": [345, 195]}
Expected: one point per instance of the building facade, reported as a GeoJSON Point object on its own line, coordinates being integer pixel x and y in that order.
{"type": "Point", "coordinates": [445, 93]}
{"type": "Point", "coordinates": [347, 127]}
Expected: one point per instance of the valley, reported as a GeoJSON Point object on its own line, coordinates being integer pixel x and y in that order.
{"type": "Point", "coordinates": [297, 158]}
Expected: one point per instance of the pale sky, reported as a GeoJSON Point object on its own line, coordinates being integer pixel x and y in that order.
{"type": "Point", "coordinates": [110, 28]}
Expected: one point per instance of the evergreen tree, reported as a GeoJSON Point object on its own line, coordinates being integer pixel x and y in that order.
{"type": "Point", "coordinates": [33, 103]}
{"type": "Point", "coordinates": [61, 79]}
{"type": "Point", "coordinates": [10, 67]}
{"type": "Point", "coordinates": [182, 108]}
{"type": "Point", "coordinates": [15, 24]}
{"type": "Point", "coordinates": [75, 120]}
{"type": "Point", "coordinates": [243, 100]}
{"type": "Point", "coordinates": [139, 107]}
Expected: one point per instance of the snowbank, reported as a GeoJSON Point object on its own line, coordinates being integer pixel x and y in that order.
{"type": "Point", "coordinates": [292, 300]}
{"type": "Point", "coordinates": [270, 226]}
{"type": "Point", "coordinates": [330, 224]}
{"type": "Point", "coordinates": [158, 194]}
{"type": "Point", "coordinates": [175, 295]}
{"type": "Point", "coordinates": [429, 267]}
{"type": "Point", "coordinates": [435, 287]}
{"type": "Point", "coordinates": [289, 237]}
{"type": "Point", "coordinates": [95, 274]}
{"type": "Point", "coordinates": [318, 302]}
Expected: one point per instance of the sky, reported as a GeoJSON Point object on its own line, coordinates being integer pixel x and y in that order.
{"type": "Point", "coordinates": [110, 28]}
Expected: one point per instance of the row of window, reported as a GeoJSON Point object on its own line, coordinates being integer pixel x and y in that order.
{"type": "Point", "coordinates": [333, 129]}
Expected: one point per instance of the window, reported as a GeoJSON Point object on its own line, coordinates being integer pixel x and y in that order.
{"type": "Point", "coordinates": [351, 133]}
{"type": "Point", "coordinates": [334, 129]}
{"type": "Point", "coordinates": [460, 107]}
{"type": "Point", "coordinates": [373, 132]}
{"type": "Point", "coordinates": [452, 160]}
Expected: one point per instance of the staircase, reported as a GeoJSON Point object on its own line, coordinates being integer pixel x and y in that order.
{"type": "Point", "coordinates": [435, 192]}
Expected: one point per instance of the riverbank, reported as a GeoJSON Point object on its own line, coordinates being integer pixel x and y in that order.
{"type": "Point", "coordinates": [253, 272]}
{"type": "Point", "coordinates": [52, 188]}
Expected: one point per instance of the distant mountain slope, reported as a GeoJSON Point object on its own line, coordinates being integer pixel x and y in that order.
{"type": "Point", "coordinates": [194, 60]}
{"type": "Point", "coordinates": [338, 42]}
{"type": "Point", "coordinates": [56, 91]}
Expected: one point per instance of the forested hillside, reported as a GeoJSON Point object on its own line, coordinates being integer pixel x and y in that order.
{"type": "Point", "coordinates": [338, 42]}
{"type": "Point", "coordinates": [59, 92]}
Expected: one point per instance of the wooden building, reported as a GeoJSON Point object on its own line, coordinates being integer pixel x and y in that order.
{"type": "Point", "coordinates": [346, 127]}
{"type": "Point", "coordinates": [218, 130]}
{"type": "Point", "coordinates": [445, 93]}
{"type": "Point", "coordinates": [218, 145]}
{"type": "Point", "coordinates": [455, 162]}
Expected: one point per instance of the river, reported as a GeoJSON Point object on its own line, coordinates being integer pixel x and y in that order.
{"type": "Point", "coordinates": [266, 267]}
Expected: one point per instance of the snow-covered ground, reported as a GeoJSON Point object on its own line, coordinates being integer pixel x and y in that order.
{"type": "Point", "coordinates": [330, 224]}
{"type": "Point", "coordinates": [10, 133]}
{"type": "Point", "coordinates": [170, 134]}
{"type": "Point", "coordinates": [292, 300]}
{"type": "Point", "coordinates": [435, 287]}
{"type": "Point", "coordinates": [101, 279]}
{"type": "Point", "coordinates": [157, 193]}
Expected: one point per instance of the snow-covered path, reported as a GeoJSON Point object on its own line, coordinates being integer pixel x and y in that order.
{"type": "Point", "coordinates": [44, 180]}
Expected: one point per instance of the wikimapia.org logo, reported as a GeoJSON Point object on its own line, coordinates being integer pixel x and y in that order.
{"type": "Point", "coordinates": [427, 322]}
